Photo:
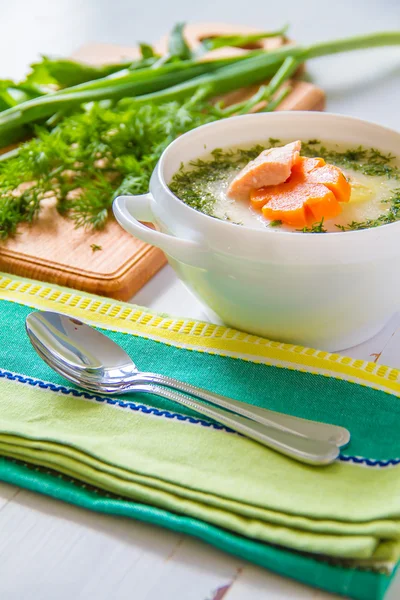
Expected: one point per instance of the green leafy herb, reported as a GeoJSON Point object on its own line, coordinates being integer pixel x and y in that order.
{"type": "Point", "coordinates": [136, 85]}
{"type": "Point", "coordinates": [193, 182]}
{"type": "Point", "coordinates": [265, 93]}
{"type": "Point", "coordinates": [12, 93]}
{"type": "Point", "coordinates": [192, 185]}
{"type": "Point", "coordinates": [96, 247]}
{"type": "Point", "coordinates": [146, 50]}
{"type": "Point", "coordinates": [276, 223]}
{"type": "Point", "coordinates": [315, 228]}
{"type": "Point", "coordinates": [177, 45]}
{"type": "Point", "coordinates": [274, 142]}
{"type": "Point", "coordinates": [151, 80]}
{"type": "Point", "coordinates": [248, 41]}
{"type": "Point", "coordinates": [385, 219]}
{"type": "Point", "coordinates": [369, 161]}
{"type": "Point", "coordinates": [66, 73]}
{"type": "Point", "coordinates": [278, 99]}
{"type": "Point", "coordinates": [88, 159]}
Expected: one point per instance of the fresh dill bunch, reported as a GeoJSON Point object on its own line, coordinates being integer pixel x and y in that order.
{"type": "Point", "coordinates": [89, 158]}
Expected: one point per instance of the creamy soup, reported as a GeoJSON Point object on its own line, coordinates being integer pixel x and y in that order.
{"type": "Point", "coordinates": [374, 178]}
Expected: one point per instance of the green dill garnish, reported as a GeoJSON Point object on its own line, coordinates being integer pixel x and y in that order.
{"type": "Point", "coordinates": [228, 218]}
{"type": "Point", "coordinates": [96, 247]}
{"type": "Point", "coordinates": [88, 159]}
{"type": "Point", "coordinates": [369, 161]}
{"type": "Point", "coordinates": [315, 228]}
{"type": "Point", "coordinates": [192, 182]}
{"type": "Point", "coordinates": [250, 153]}
{"type": "Point", "coordinates": [385, 219]}
{"type": "Point", "coordinates": [276, 223]}
{"type": "Point", "coordinates": [273, 142]}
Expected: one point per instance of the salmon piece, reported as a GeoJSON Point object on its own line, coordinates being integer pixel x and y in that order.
{"type": "Point", "coordinates": [271, 167]}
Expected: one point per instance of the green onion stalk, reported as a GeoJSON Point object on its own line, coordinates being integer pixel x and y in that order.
{"type": "Point", "coordinates": [119, 85]}
{"type": "Point", "coordinates": [257, 69]}
{"type": "Point", "coordinates": [180, 77]}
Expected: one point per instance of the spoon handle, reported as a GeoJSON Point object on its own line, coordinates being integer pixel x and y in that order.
{"type": "Point", "coordinates": [304, 427]}
{"type": "Point", "coordinates": [306, 450]}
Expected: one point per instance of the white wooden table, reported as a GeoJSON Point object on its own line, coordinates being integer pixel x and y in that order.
{"type": "Point", "coordinates": [52, 551]}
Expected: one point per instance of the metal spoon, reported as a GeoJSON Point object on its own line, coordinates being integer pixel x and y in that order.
{"type": "Point", "coordinates": [310, 451]}
{"type": "Point", "coordinates": [90, 359]}
{"type": "Point", "coordinates": [306, 450]}
{"type": "Point", "coordinates": [101, 362]}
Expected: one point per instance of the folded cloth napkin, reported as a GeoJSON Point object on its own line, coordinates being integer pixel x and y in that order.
{"type": "Point", "coordinates": [335, 527]}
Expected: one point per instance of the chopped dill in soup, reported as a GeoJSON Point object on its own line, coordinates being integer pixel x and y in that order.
{"type": "Point", "coordinates": [310, 187]}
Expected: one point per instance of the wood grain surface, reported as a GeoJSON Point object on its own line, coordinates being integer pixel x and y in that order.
{"type": "Point", "coordinates": [52, 250]}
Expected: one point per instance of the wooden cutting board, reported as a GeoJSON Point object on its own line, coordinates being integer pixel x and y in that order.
{"type": "Point", "coordinates": [53, 250]}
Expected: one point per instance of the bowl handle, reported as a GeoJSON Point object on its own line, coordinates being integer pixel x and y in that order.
{"type": "Point", "coordinates": [130, 210]}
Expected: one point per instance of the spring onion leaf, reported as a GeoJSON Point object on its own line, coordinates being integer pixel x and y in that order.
{"type": "Point", "coordinates": [66, 73]}
{"type": "Point", "coordinates": [276, 102]}
{"type": "Point", "coordinates": [247, 41]}
{"type": "Point", "coordinates": [146, 50]}
{"type": "Point", "coordinates": [265, 92]}
{"type": "Point", "coordinates": [157, 84]}
{"type": "Point", "coordinates": [177, 45]}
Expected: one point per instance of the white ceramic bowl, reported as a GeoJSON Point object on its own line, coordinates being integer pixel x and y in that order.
{"type": "Point", "coordinates": [329, 291]}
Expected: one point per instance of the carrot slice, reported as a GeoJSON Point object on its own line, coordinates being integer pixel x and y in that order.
{"type": "Point", "coordinates": [296, 204]}
{"type": "Point", "coordinates": [304, 165]}
{"type": "Point", "coordinates": [333, 179]}
{"type": "Point", "coordinates": [321, 202]}
{"type": "Point", "coordinates": [292, 213]}
{"type": "Point", "coordinates": [286, 202]}
{"type": "Point", "coordinates": [261, 196]}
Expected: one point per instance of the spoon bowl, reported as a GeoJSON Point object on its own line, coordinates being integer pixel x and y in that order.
{"type": "Point", "coordinates": [80, 348]}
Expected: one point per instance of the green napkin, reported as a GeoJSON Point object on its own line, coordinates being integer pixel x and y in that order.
{"type": "Point", "coordinates": [165, 465]}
